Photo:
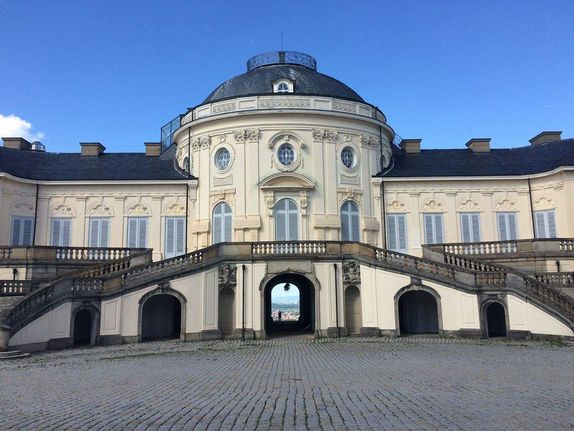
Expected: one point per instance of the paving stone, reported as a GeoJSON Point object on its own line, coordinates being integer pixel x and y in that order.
{"type": "Point", "coordinates": [294, 384]}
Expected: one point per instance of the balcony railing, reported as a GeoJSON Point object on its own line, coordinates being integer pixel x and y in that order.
{"type": "Point", "coordinates": [47, 254]}
{"type": "Point", "coordinates": [289, 248]}
{"type": "Point", "coordinates": [15, 287]}
{"type": "Point", "coordinates": [559, 279]}
{"type": "Point", "coordinates": [526, 247]}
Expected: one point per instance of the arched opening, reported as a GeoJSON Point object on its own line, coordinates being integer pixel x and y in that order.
{"type": "Point", "coordinates": [226, 311]}
{"type": "Point", "coordinates": [289, 305]}
{"type": "Point", "coordinates": [161, 317]}
{"type": "Point", "coordinates": [418, 313]}
{"type": "Point", "coordinates": [495, 320]}
{"type": "Point", "coordinates": [83, 328]}
{"type": "Point", "coordinates": [350, 229]}
{"type": "Point", "coordinates": [353, 318]}
{"type": "Point", "coordinates": [221, 223]}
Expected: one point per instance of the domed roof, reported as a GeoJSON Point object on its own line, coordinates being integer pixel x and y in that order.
{"type": "Point", "coordinates": [264, 70]}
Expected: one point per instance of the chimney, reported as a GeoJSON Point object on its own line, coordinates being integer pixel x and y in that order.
{"type": "Point", "coordinates": [152, 149]}
{"type": "Point", "coordinates": [411, 146]}
{"type": "Point", "coordinates": [479, 145]}
{"type": "Point", "coordinates": [92, 149]}
{"type": "Point", "coordinates": [544, 137]}
{"type": "Point", "coordinates": [17, 143]}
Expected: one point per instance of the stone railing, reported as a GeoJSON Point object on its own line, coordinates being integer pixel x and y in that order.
{"type": "Point", "coordinates": [90, 253]}
{"type": "Point", "coordinates": [31, 303]}
{"type": "Point", "coordinates": [15, 287]}
{"type": "Point", "coordinates": [162, 267]}
{"type": "Point", "coordinates": [470, 264]}
{"type": "Point", "coordinates": [85, 285]}
{"type": "Point", "coordinates": [501, 249]}
{"type": "Point", "coordinates": [411, 263]}
{"type": "Point", "coordinates": [550, 296]}
{"type": "Point", "coordinates": [289, 248]}
{"type": "Point", "coordinates": [56, 255]}
{"type": "Point", "coordinates": [559, 279]}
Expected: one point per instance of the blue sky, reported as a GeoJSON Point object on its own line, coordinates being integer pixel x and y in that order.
{"type": "Point", "coordinates": [443, 71]}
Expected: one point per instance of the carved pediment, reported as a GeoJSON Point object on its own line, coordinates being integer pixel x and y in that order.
{"type": "Point", "coordinates": [286, 181]}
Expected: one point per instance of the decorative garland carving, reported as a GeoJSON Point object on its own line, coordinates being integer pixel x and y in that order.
{"type": "Point", "coordinates": [505, 205]}
{"type": "Point", "coordinates": [223, 181]}
{"type": "Point", "coordinates": [62, 210]}
{"type": "Point", "coordinates": [174, 209]}
{"type": "Point", "coordinates": [138, 209]}
{"type": "Point", "coordinates": [350, 194]}
{"type": "Point", "coordinates": [468, 205]}
{"type": "Point", "coordinates": [100, 210]}
{"type": "Point", "coordinates": [351, 273]}
{"type": "Point", "coordinates": [544, 203]}
{"type": "Point", "coordinates": [432, 205]}
{"type": "Point", "coordinates": [225, 107]}
{"type": "Point", "coordinates": [396, 205]}
{"type": "Point", "coordinates": [354, 179]}
{"type": "Point", "coordinates": [227, 275]}
{"type": "Point", "coordinates": [246, 135]}
{"type": "Point", "coordinates": [23, 208]}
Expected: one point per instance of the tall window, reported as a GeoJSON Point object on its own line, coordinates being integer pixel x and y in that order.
{"type": "Point", "coordinates": [286, 220]}
{"type": "Point", "coordinates": [350, 222]}
{"type": "Point", "coordinates": [433, 228]}
{"type": "Point", "coordinates": [470, 227]}
{"type": "Point", "coordinates": [506, 226]}
{"type": "Point", "coordinates": [174, 236]}
{"type": "Point", "coordinates": [545, 224]}
{"type": "Point", "coordinates": [22, 231]}
{"type": "Point", "coordinates": [136, 232]}
{"type": "Point", "coordinates": [60, 236]}
{"type": "Point", "coordinates": [99, 232]}
{"type": "Point", "coordinates": [221, 223]}
{"type": "Point", "coordinates": [397, 232]}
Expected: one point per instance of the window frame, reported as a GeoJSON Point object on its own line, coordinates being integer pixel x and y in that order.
{"type": "Point", "coordinates": [507, 215]}
{"type": "Point", "coordinates": [139, 221]}
{"type": "Point", "coordinates": [550, 229]}
{"type": "Point", "coordinates": [396, 236]}
{"type": "Point", "coordinates": [174, 252]}
{"type": "Point", "coordinates": [352, 228]}
{"type": "Point", "coordinates": [60, 241]}
{"type": "Point", "coordinates": [222, 216]}
{"type": "Point", "coordinates": [471, 215]}
{"type": "Point", "coordinates": [435, 237]}
{"type": "Point", "coordinates": [22, 230]}
{"type": "Point", "coordinates": [288, 212]}
{"type": "Point", "coordinates": [99, 241]}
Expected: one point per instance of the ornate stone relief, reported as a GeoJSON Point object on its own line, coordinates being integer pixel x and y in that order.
{"type": "Point", "coordinates": [295, 142]}
{"type": "Point", "coordinates": [223, 195]}
{"type": "Point", "coordinates": [432, 205]}
{"type": "Point", "coordinates": [100, 210]}
{"type": "Point", "coordinates": [387, 155]}
{"type": "Point", "coordinates": [227, 275]}
{"type": "Point", "coordinates": [396, 205]}
{"type": "Point", "coordinates": [505, 205]}
{"type": "Point", "coordinates": [468, 205]}
{"type": "Point", "coordinates": [62, 210]}
{"type": "Point", "coordinates": [246, 135]}
{"type": "Point", "coordinates": [138, 209]}
{"type": "Point", "coordinates": [324, 135]}
{"type": "Point", "coordinates": [225, 107]}
{"type": "Point", "coordinates": [284, 103]}
{"type": "Point", "coordinates": [22, 208]}
{"type": "Point", "coordinates": [223, 181]}
{"type": "Point", "coordinates": [303, 202]}
{"type": "Point", "coordinates": [269, 199]}
{"type": "Point", "coordinates": [174, 209]}
{"type": "Point", "coordinates": [344, 107]}
{"type": "Point", "coordinates": [350, 194]}
{"type": "Point", "coordinates": [201, 143]}
{"type": "Point", "coordinates": [544, 203]}
{"type": "Point", "coordinates": [369, 141]}
{"type": "Point", "coordinates": [350, 179]}
{"type": "Point", "coordinates": [351, 273]}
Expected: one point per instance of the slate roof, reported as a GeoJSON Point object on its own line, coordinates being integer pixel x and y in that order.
{"type": "Point", "coordinates": [37, 165]}
{"type": "Point", "coordinates": [498, 162]}
{"type": "Point", "coordinates": [260, 81]}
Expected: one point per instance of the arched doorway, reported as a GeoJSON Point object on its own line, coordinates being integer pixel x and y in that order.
{"type": "Point", "coordinates": [353, 317]}
{"type": "Point", "coordinates": [418, 313]}
{"type": "Point", "coordinates": [289, 305]}
{"type": "Point", "coordinates": [226, 311]}
{"type": "Point", "coordinates": [161, 317]}
{"type": "Point", "coordinates": [83, 328]}
{"type": "Point", "coordinates": [495, 320]}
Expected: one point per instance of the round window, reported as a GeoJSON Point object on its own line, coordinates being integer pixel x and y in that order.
{"type": "Point", "coordinates": [222, 158]}
{"type": "Point", "coordinates": [286, 154]}
{"type": "Point", "coordinates": [348, 157]}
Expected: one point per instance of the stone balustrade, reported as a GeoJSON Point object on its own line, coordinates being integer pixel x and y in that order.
{"type": "Point", "coordinates": [17, 254]}
{"type": "Point", "coordinates": [15, 287]}
{"type": "Point", "coordinates": [289, 248]}
{"type": "Point", "coordinates": [567, 244]}
{"type": "Point", "coordinates": [560, 279]}
{"type": "Point", "coordinates": [523, 247]}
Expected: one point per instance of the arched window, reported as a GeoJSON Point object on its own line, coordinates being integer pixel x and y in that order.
{"type": "Point", "coordinates": [286, 220]}
{"type": "Point", "coordinates": [350, 222]}
{"type": "Point", "coordinates": [282, 87]}
{"type": "Point", "coordinates": [221, 223]}
{"type": "Point", "coordinates": [186, 164]}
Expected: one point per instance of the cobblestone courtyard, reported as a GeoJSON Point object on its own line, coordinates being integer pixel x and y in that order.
{"type": "Point", "coordinates": [354, 384]}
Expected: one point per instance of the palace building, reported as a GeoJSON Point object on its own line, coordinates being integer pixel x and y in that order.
{"type": "Point", "coordinates": [284, 175]}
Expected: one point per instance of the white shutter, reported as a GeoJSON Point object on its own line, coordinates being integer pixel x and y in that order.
{"type": "Point", "coordinates": [65, 232]}
{"type": "Point", "coordinates": [56, 232]}
{"type": "Point", "coordinates": [280, 223]}
{"type": "Point", "coordinates": [142, 234]}
{"type": "Point", "coordinates": [16, 228]}
{"type": "Point", "coordinates": [169, 237]}
{"type": "Point", "coordinates": [475, 228]}
{"type": "Point", "coordinates": [293, 217]}
{"type": "Point", "coordinates": [397, 232]}
{"type": "Point", "coordinates": [227, 237]}
{"type": "Point", "coordinates": [507, 226]}
{"type": "Point", "coordinates": [465, 227]}
{"type": "Point", "coordinates": [27, 232]}
{"type": "Point", "coordinates": [132, 232]}
{"type": "Point", "coordinates": [350, 230]}
{"type": "Point", "coordinates": [104, 232]}
{"type": "Point", "coordinates": [512, 230]}
{"type": "Point", "coordinates": [551, 224]}
{"type": "Point", "coordinates": [94, 230]}
{"type": "Point", "coordinates": [392, 232]}
{"type": "Point", "coordinates": [540, 224]}
{"type": "Point", "coordinates": [180, 236]}
{"type": "Point", "coordinates": [345, 223]}
{"type": "Point", "coordinates": [470, 227]}
{"type": "Point", "coordinates": [355, 228]}
{"type": "Point", "coordinates": [439, 229]}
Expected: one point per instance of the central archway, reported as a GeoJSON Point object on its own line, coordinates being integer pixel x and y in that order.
{"type": "Point", "coordinates": [83, 328]}
{"type": "Point", "coordinates": [418, 313]}
{"type": "Point", "coordinates": [495, 320]}
{"type": "Point", "coordinates": [289, 305]}
{"type": "Point", "coordinates": [161, 317]}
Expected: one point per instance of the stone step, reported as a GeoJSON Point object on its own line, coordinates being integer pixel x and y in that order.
{"type": "Point", "coordinates": [13, 354]}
